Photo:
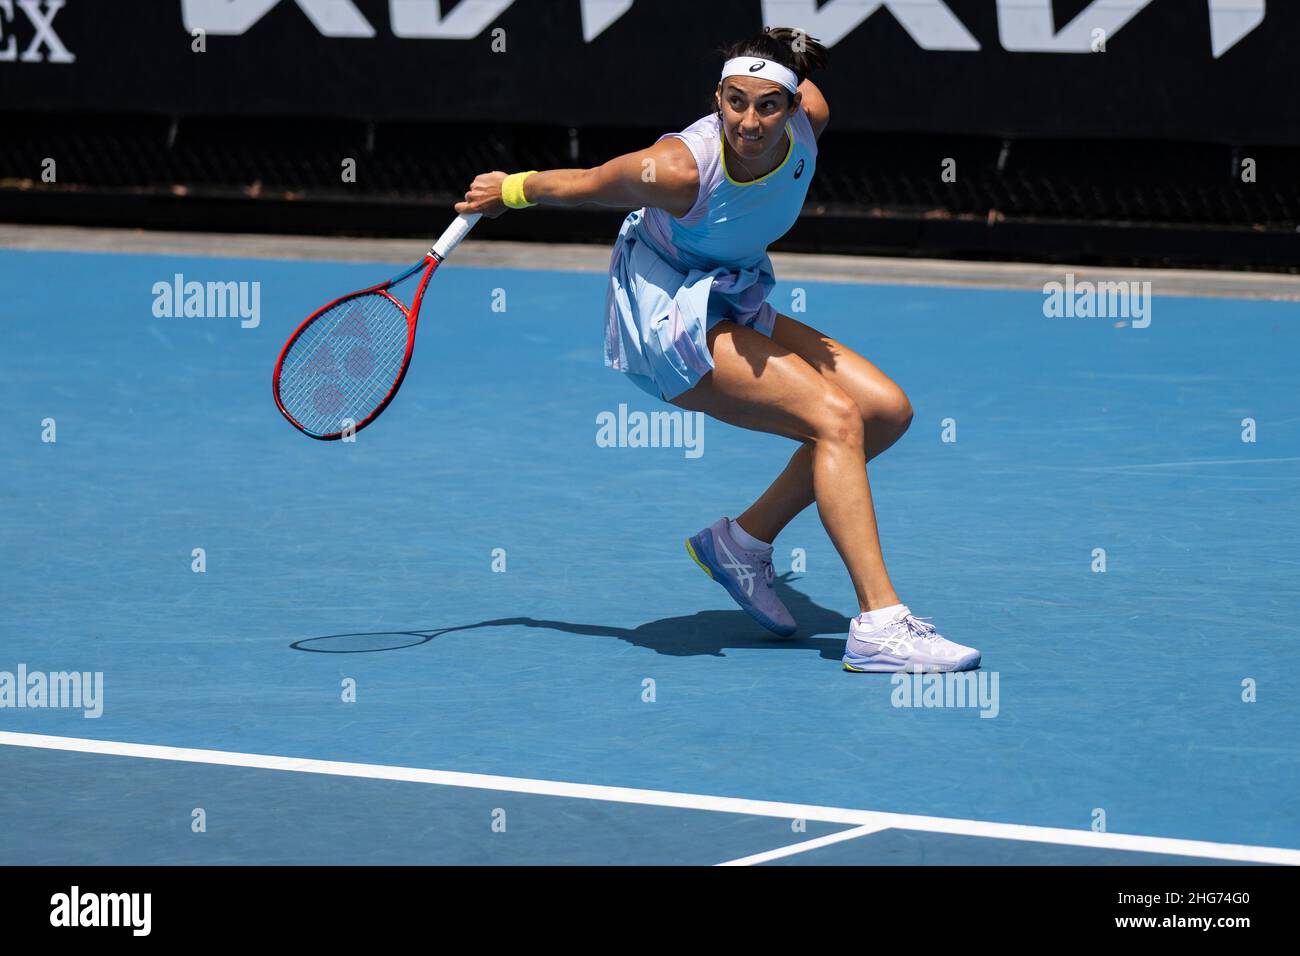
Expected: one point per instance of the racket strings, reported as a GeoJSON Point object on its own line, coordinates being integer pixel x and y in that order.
{"type": "Point", "coordinates": [344, 364]}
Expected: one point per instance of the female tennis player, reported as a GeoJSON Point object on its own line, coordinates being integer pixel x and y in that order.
{"type": "Point", "coordinates": [687, 321]}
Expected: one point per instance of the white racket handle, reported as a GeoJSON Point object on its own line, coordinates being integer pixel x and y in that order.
{"type": "Point", "coordinates": [457, 231]}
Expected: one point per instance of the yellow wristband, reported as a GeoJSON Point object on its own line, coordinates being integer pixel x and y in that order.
{"type": "Point", "coordinates": [512, 190]}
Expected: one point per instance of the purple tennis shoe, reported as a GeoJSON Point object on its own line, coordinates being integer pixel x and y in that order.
{"type": "Point", "coordinates": [746, 574]}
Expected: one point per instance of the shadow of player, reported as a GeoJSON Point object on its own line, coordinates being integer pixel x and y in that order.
{"type": "Point", "coordinates": [704, 632]}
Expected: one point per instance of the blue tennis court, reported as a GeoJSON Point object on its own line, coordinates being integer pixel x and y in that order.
{"type": "Point", "coordinates": [473, 635]}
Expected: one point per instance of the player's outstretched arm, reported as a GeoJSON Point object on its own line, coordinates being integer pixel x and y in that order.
{"type": "Point", "coordinates": [664, 176]}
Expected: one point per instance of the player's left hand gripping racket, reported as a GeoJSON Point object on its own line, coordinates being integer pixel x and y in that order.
{"type": "Point", "coordinates": [342, 366]}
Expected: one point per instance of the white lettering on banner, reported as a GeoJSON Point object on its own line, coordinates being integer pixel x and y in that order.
{"type": "Point", "coordinates": [929, 22]}
{"type": "Point", "coordinates": [1230, 20]}
{"type": "Point", "coordinates": [410, 19]}
{"type": "Point", "coordinates": [333, 18]}
{"type": "Point", "coordinates": [8, 48]}
{"type": "Point", "coordinates": [1026, 26]}
{"type": "Point", "coordinates": [423, 19]}
{"type": "Point", "coordinates": [40, 14]}
{"type": "Point", "coordinates": [597, 16]}
{"type": "Point", "coordinates": [44, 26]}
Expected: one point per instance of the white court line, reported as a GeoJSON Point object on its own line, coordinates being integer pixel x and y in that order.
{"type": "Point", "coordinates": [803, 847]}
{"type": "Point", "coordinates": [668, 798]}
{"type": "Point", "coordinates": [1204, 461]}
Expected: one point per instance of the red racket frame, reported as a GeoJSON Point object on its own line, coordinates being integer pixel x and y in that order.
{"type": "Point", "coordinates": [430, 264]}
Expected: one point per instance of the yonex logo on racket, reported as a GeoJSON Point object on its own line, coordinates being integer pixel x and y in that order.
{"type": "Point", "coordinates": [342, 366]}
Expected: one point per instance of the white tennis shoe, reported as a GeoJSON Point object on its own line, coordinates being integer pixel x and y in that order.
{"type": "Point", "coordinates": [905, 643]}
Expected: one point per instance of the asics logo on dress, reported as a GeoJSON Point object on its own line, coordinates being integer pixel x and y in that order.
{"type": "Point", "coordinates": [758, 66]}
{"type": "Point", "coordinates": [742, 571]}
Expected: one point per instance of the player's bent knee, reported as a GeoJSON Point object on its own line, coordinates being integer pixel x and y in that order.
{"type": "Point", "coordinates": [890, 414]}
{"type": "Point", "coordinates": [901, 413]}
{"type": "Point", "coordinates": [838, 418]}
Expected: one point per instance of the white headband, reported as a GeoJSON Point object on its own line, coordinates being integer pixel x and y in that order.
{"type": "Point", "coordinates": [764, 69]}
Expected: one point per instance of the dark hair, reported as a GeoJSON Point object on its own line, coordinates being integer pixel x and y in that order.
{"type": "Point", "coordinates": [789, 46]}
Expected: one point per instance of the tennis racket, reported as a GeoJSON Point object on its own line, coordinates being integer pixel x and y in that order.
{"type": "Point", "coordinates": [344, 364]}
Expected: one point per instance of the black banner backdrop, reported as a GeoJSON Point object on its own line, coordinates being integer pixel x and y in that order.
{"type": "Point", "coordinates": [1195, 70]}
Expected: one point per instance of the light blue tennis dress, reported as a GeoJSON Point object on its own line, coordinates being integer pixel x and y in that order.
{"type": "Point", "coordinates": [671, 280]}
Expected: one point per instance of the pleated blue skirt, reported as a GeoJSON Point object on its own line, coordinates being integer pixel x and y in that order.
{"type": "Point", "coordinates": [658, 316]}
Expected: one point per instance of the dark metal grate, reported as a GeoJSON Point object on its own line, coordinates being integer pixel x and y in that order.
{"type": "Point", "coordinates": [871, 174]}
